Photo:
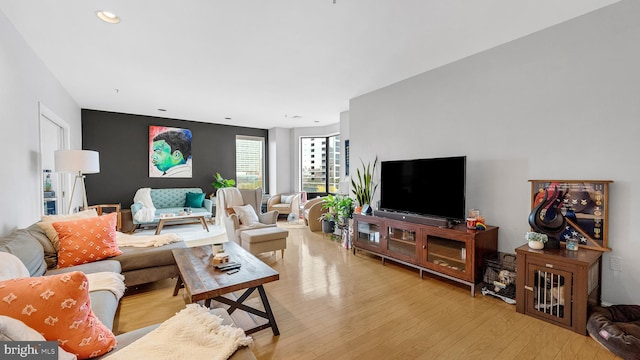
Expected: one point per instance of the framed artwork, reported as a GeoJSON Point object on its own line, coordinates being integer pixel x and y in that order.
{"type": "Point", "coordinates": [346, 157]}
{"type": "Point", "coordinates": [169, 152]}
{"type": "Point", "coordinates": [583, 203]}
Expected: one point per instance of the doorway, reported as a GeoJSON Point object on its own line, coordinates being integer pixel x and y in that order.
{"type": "Point", "coordinates": [54, 135]}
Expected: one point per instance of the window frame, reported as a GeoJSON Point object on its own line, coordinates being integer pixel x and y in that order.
{"type": "Point", "coordinates": [263, 142]}
{"type": "Point", "coordinates": [319, 162]}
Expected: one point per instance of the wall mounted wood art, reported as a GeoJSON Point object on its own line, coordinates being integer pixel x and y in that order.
{"type": "Point", "coordinates": [583, 203]}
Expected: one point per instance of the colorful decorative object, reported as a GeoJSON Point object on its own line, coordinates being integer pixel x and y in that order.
{"type": "Point", "coordinates": [547, 218]}
{"type": "Point", "coordinates": [581, 204]}
{"type": "Point", "coordinates": [169, 152]}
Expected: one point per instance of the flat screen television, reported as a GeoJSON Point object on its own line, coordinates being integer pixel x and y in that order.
{"type": "Point", "coordinates": [429, 187]}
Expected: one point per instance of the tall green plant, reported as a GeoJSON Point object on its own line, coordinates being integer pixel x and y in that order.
{"type": "Point", "coordinates": [220, 182]}
{"type": "Point", "coordinates": [363, 187]}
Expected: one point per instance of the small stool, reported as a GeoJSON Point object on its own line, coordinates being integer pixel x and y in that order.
{"type": "Point", "coordinates": [261, 240]}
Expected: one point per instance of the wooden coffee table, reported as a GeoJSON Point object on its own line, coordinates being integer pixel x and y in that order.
{"type": "Point", "coordinates": [163, 220]}
{"type": "Point", "coordinates": [204, 282]}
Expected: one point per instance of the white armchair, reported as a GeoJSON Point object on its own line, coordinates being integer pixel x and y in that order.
{"type": "Point", "coordinates": [284, 204]}
{"type": "Point", "coordinates": [236, 218]}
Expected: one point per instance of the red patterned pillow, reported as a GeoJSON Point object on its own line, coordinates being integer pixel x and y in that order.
{"type": "Point", "coordinates": [87, 240]}
{"type": "Point", "coordinates": [59, 308]}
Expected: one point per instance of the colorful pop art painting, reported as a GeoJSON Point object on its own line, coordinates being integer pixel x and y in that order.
{"type": "Point", "coordinates": [170, 152]}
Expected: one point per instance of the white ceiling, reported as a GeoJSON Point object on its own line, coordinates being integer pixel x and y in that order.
{"type": "Point", "coordinates": [262, 62]}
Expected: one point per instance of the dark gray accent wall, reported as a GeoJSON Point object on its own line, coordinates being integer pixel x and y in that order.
{"type": "Point", "coordinates": [122, 141]}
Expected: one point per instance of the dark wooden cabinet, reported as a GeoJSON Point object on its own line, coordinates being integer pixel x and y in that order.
{"type": "Point", "coordinates": [454, 253]}
{"type": "Point", "coordinates": [368, 233]}
{"type": "Point", "coordinates": [558, 285]}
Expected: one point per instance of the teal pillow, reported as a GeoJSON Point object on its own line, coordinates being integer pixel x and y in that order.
{"type": "Point", "coordinates": [194, 200]}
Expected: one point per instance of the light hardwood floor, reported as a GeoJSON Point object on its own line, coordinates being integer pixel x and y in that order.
{"type": "Point", "coordinates": [330, 304]}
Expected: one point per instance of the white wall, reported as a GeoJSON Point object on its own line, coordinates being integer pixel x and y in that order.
{"type": "Point", "coordinates": [280, 161]}
{"type": "Point", "coordinates": [559, 104]}
{"type": "Point", "coordinates": [25, 81]}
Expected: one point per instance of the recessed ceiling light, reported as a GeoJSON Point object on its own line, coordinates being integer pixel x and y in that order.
{"type": "Point", "coordinates": [227, 118]}
{"type": "Point", "coordinates": [109, 17]}
{"type": "Point", "coordinates": [162, 109]}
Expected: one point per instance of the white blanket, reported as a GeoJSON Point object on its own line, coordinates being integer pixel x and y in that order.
{"type": "Point", "coordinates": [12, 267]}
{"type": "Point", "coordinates": [148, 212]}
{"type": "Point", "coordinates": [193, 333]}
{"type": "Point", "coordinates": [146, 241]}
{"type": "Point", "coordinates": [107, 280]}
{"type": "Point", "coordinates": [226, 198]}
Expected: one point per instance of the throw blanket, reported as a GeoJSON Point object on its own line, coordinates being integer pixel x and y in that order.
{"type": "Point", "coordinates": [107, 280]}
{"type": "Point", "coordinates": [226, 198]}
{"type": "Point", "coordinates": [146, 241]}
{"type": "Point", "coordinates": [193, 333]}
{"type": "Point", "coordinates": [12, 267]}
{"type": "Point", "coordinates": [148, 212]}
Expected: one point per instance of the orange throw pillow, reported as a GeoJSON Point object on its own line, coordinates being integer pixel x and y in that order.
{"type": "Point", "coordinates": [59, 308]}
{"type": "Point", "coordinates": [87, 240]}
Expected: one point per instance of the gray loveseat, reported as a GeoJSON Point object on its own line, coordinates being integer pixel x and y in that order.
{"type": "Point", "coordinates": [138, 265]}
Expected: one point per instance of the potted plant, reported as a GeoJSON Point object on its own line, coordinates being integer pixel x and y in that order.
{"type": "Point", "coordinates": [536, 240]}
{"type": "Point", "coordinates": [363, 186]}
{"type": "Point", "coordinates": [345, 208]}
{"type": "Point", "coordinates": [329, 217]}
{"type": "Point", "coordinates": [219, 182]}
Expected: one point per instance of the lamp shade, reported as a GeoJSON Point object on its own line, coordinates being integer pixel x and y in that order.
{"type": "Point", "coordinates": [77, 161]}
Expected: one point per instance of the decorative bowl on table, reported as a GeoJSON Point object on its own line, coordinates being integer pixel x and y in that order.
{"type": "Point", "coordinates": [536, 240]}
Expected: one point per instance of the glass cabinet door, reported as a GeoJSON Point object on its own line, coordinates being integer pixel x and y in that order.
{"type": "Point", "coordinates": [446, 254]}
{"type": "Point", "coordinates": [401, 242]}
{"type": "Point", "coordinates": [368, 234]}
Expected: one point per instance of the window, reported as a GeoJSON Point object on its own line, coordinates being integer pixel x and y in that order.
{"type": "Point", "coordinates": [249, 162]}
{"type": "Point", "coordinates": [318, 179]}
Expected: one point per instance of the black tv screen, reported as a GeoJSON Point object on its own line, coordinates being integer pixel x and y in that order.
{"type": "Point", "coordinates": [431, 187]}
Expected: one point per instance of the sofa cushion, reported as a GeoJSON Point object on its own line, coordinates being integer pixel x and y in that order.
{"type": "Point", "coordinates": [58, 307]}
{"type": "Point", "coordinates": [104, 305]}
{"type": "Point", "coordinates": [87, 240]}
{"type": "Point", "coordinates": [194, 200]}
{"type": "Point", "coordinates": [50, 253]}
{"type": "Point", "coordinates": [21, 244]}
{"type": "Point", "coordinates": [133, 258]}
{"type": "Point", "coordinates": [90, 268]}
{"type": "Point", "coordinates": [47, 223]}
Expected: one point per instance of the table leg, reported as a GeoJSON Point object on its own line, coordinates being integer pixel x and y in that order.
{"type": "Point", "coordinates": [267, 308]}
{"type": "Point", "coordinates": [178, 286]}
{"type": "Point", "coordinates": [160, 226]}
{"type": "Point", "coordinates": [204, 224]}
{"type": "Point", "coordinates": [237, 304]}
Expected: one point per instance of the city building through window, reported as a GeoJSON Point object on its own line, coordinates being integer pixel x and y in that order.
{"type": "Point", "coordinates": [319, 179]}
{"type": "Point", "coordinates": [250, 160]}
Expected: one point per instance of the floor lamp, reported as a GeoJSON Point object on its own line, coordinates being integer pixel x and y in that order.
{"type": "Point", "coordinates": [77, 162]}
